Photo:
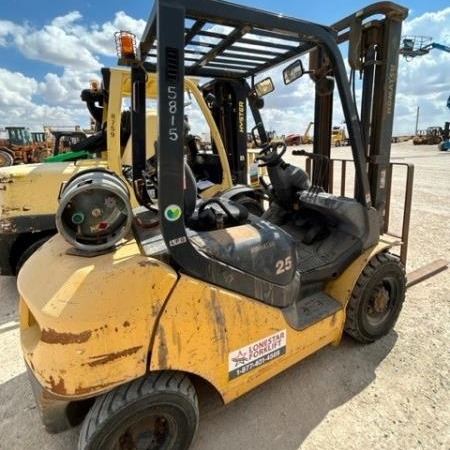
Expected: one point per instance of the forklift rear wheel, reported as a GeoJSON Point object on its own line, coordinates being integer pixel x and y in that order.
{"type": "Point", "coordinates": [377, 299]}
{"type": "Point", "coordinates": [158, 412]}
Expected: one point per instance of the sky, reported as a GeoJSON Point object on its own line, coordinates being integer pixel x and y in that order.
{"type": "Point", "coordinates": [49, 51]}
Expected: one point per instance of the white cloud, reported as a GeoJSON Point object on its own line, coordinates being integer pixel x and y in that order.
{"type": "Point", "coordinates": [20, 102]}
{"type": "Point", "coordinates": [15, 89]}
{"type": "Point", "coordinates": [7, 30]}
{"type": "Point", "coordinates": [423, 81]}
{"type": "Point", "coordinates": [100, 39]}
{"type": "Point", "coordinates": [435, 22]}
{"type": "Point", "coordinates": [65, 89]}
{"type": "Point", "coordinates": [57, 44]}
{"type": "Point", "coordinates": [65, 42]}
{"type": "Point", "coordinates": [52, 89]}
{"type": "Point", "coordinates": [67, 20]}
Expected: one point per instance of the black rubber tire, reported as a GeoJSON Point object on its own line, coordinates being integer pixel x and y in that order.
{"type": "Point", "coordinates": [167, 399]}
{"type": "Point", "coordinates": [253, 206]}
{"type": "Point", "coordinates": [28, 251]}
{"type": "Point", "coordinates": [337, 144]}
{"type": "Point", "coordinates": [41, 153]}
{"type": "Point", "coordinates": [384, 276]}
{"type": "Point", "coordinates": [6, 159]}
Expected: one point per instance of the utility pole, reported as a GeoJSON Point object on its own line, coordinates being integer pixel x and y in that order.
{"type": "Point", "coordinates": [417, 120]}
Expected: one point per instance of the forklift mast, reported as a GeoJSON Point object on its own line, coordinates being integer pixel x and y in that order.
{"type": "Point", "coordinates": [373, 55]}
{"type": "Point", "coordinates": [228, 103]}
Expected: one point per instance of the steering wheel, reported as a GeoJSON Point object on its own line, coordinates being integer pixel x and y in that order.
{"type": "Point", "coordinates": [219, 203]}
{"type": "Point", "coordinates": [269, 154]}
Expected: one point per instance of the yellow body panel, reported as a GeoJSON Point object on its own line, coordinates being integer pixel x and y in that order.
{"type": "Point", "coordinates": [342, 287]}
{"type": "Point", "coordinates": [202, 324]}
{"type": "Point", "coordinates": [90, 327]}
{"type": "Point", "coordinates": [95, 325]}
{"type": "Point", "coordinates": [32, 189]}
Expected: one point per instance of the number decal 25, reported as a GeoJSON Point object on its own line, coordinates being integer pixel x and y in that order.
{"type": "Point", "coordinates": [283, 265]}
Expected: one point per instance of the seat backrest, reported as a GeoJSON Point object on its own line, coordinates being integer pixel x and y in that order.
{"type": "Point", "coordinates": [190, 192]}
{"type": "Point", "coordinates": [259, 248]}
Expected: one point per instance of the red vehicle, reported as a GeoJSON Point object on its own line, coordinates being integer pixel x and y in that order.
{"type": "Point", "coordinates": [293, 139]}
{"type": "Point", "coordinates": [297, 138]}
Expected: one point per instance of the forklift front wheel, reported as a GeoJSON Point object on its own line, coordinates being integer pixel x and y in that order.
{"type": "Point", "coordinates": [377, 299]}
{"type": "Point", "coordinates": [159, 411]}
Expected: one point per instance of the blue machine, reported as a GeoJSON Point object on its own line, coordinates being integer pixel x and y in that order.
{"type": "Point", "coordinates": [445, 144]}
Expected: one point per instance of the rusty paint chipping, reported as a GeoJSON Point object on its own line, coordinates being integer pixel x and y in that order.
{"type": "Point", "coordinates": [8, 209]}
{"type": "Point", "coordinates": [51, 336]}
{"type": "Point", "coordinates": [155, 308]}
{"type": "Point", "coordinates": [80, 390]}
{"type": "Point", "coordinates": [57, 387]}
{"type": "Point", "coordinates": [104, 359]}
{"type": "Point", "coordinates": [148, 263]}
{"type": "Point", "coordinates": [162, 350]}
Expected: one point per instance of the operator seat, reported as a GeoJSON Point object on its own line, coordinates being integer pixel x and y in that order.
{"type": "Point", "coordinates": [243, 241]}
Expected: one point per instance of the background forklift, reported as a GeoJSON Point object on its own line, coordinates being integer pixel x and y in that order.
{"type": "Point", "coordinates": [126, 326]}
{"type": "Point", "coordinates": [27, 200]}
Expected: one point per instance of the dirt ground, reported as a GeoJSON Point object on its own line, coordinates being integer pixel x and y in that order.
{"type": "Point", "coordinates": [393, 394]}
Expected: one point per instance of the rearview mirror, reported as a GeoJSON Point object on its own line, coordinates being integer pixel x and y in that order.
{"type": "Point", "coordinates": [210, 100]}
{"type": "Point", "coordinates": [264, 87]}
{"type": "Point", "coordinates": [293, 72]}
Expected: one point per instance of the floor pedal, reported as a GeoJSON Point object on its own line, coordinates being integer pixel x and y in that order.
{"type": "Point", "coordinates": [310, 310]}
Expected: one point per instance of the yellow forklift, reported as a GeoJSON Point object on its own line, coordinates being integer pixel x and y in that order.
{"type": "Point", "coordinates": [136, 306]}
{"type": "Point", "coordinates": [27, 200]}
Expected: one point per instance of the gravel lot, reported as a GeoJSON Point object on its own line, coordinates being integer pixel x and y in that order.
{"type": "Point", "coordinates": [393, 394]}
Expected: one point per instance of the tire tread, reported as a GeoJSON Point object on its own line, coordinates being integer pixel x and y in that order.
{"type": "Point", "coordinates": [112, 402]}
{"type": "Point", "coordinates": [351, 324]}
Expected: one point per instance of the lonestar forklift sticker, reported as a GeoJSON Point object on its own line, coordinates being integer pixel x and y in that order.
{"type": "Point", "coordinates": [256, 354]}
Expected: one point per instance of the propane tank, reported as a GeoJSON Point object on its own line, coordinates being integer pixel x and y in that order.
{"type": "Point", "coordinates": [94, 211]}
